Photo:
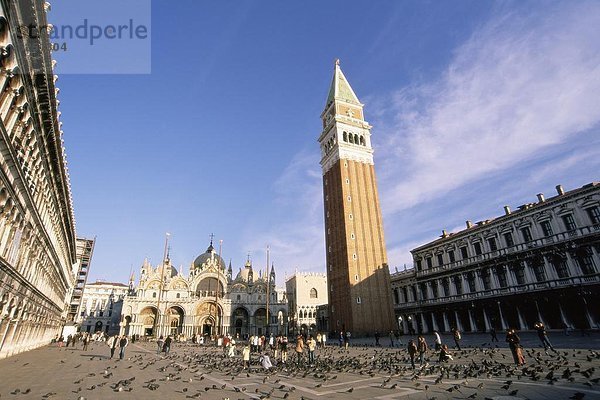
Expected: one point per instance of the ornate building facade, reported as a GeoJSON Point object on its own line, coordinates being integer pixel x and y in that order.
{"type": "Point", "coordinates": [357, 272]}
{"type": "Point", "coordinates": [37, 228]}
{"type": "Point", "coordinates": [101, 306]}
{"type": "Point", "coordinates": [209, 301]}
{"type": "Point", "coordinates": [539, 263]}
{"type": "Point", "coordinates": [306, 291]}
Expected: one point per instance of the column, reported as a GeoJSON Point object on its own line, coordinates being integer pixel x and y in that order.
{"type": "Point", "coordinates": [472, 321]}
{"type": "Point", "coordinates": [522, 323]}
{"type": "Point", "coordinates": [528, 272]}
{"type": "Point", "coordinates": [502, 320]}
{"type": "Point", "coordinates": [539, 314]}
{"type": "Point", "coordinates": [458, 324]}
{"type": "Point", "coordinates": [550, 271]}
{"type": "Point", "coordinates": [571, 265]}
{"type": "Point", "coordinates": [563, 317]}
{"type": "Point", "coordinates": [446, 324]}
{"type": "Point", "coordinates": [429, 290]}
{"type": "Point", "coordinates": [434, 322]}
{"type": "Point", "coordinates": [486, 320]}
{"type": "Point", "coordinates": [423, 323]}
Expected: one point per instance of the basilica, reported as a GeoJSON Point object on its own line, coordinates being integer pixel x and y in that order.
{"type": "Point", "coordinates": [209, 301]}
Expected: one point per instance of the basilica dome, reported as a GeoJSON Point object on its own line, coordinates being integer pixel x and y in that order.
{"type": "Point", "coordinates": [206, 258]}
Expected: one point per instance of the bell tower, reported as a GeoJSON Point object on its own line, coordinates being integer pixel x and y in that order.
{"type": "Point", "coordinates": [358, 278]}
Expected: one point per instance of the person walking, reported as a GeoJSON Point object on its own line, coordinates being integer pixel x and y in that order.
{"type": "Point", "coordinates": [457, 337]}
{"type": "Point", "coordinates": [377, 338]}
{"type": "Point", "coordinates": [167, 345]}
{"type": "Point", "coordinates": [299, 348]}
{"type": "Point", "coordinates": [391, 338]}
{"type": "Point", "coordinates": [122, 345]}
{"type": "Point", "coordinates": [312, 345]}
{"type": "Point", "coordinates": [341, 339]}
{"type": "Point", "coordinates": [246, 356]}
{"type": "Point", "coordinates": [112, 342]}
{"type": "Point", "coordinates": [493, 335]}
{"type": "Point", "coordinates": [514, 343]}
{"type": "Point", "coordinates": [346, 340]}
{"type": "Point", "coordinates": [159, 344]}
{"type": "Point", "coordinates": [438, 340]}
{"type": "Point", "coordinates": [543, 336]}
{"type": "Point", "coordinates": [284, 349]}
{"type": "Point", "coordinates": [412, 351]}
{"type": "Point", "coordinates": [323, 340]}
{"type": "Point", "coordinates": [422, 348]}
{"type": "Point", "coordinates": [319, 340]}
{"type": "Point", "coordinates": [444, 354]}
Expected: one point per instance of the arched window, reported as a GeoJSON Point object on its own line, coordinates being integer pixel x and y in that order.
{"type": "Point", "coordinates": [178, 295]}
{"type": "Point", "coordinates": [154, 294]}
{"type": "Point", "coordinates": [351, 138]}
{"type": "Point", "coordinates": [301, 314]}
{"type": "Point", "coordinates": [345, 136]}
{"type": "Point", "coordinates": [356, 139]}
{"type": "Point", "coordinates": [362, 140]}
{"type": "Point", "coordinates": [313, 293]}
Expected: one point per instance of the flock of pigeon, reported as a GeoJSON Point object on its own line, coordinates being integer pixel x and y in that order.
{"type": "Point", "coordinates": [191, 372]}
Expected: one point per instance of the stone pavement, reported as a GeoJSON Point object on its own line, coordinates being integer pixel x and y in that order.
{"type": "Point", "coordinates": [360, 373]}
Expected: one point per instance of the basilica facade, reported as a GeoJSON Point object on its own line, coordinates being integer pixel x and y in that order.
{"type": "Point", "coordinates": [208, 301]}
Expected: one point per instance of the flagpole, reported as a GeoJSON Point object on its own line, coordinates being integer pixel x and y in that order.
{"type": "Point", "coordinates": [162, 279]}
{"type": "Point", "coordinates": [219, 286]}
{"type": "Point", "coordinates": [268, 287]}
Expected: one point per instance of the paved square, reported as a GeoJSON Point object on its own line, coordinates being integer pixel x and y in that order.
{"type": "Point", "coordinates": [359, 373]}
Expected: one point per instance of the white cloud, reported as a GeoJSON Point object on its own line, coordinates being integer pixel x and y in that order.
{"type": "Point", "coordinates": [517, 86]}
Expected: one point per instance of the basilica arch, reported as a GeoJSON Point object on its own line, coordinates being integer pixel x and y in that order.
{"type": "Point", "coordinates": [240, 322]}
{"type": "Point", "coordinates": [147, 318]}
{"type": "Point", "coordinates": [208, 318]}
{"type": "Point", "coordinates": [175, 316]}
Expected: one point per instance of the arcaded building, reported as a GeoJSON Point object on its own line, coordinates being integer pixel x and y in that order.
{"type": "Point", "coordinates": [358, 278]}
{"type": "Point", "coordinates": [37, 232]}
{"type": "Point", "coordinates": [539, 262]}
{"type": "Point", "coordinates": [101, 306]}
{"type": "Point", "coordinates": [208, 301]}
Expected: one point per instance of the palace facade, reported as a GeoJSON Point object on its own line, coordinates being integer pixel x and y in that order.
{"type": "Point", "coordinates": [209, 301]}
{"type": "Point", "coordinates": [37, 228]}
{"type": "Point", "coordinates": [306, 291]}
{"type": "Point", "coordinates": [101, 306]}
{"type": "Point", "coordinates": [538, 263]}
{"type": "Point", "coordinates": [358, 278]}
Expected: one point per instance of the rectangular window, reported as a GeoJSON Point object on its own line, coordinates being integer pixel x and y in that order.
{"type": "Point", "coordinates": [509, 239]}
{"type": "Point", "coordinates": [538, 271]}
{"type": "Point", "coordinates": [446, 286]}
{"type": "Point", "coordinates": [485, 277]}
{"type": "Point", "coordinates": [526, 234]}
{"type": "Point", "coordinates": [418, 263]}
{"type": "Point", "coordinates": [458, 285]}
{"type": "Point", "coordinates": [464, 252]}
{"type": "Point", "coordinates": [477, 247]}
{"type": "Point", "coordinates": [586, 263]}
{"type": "Point", "coordinates": [520, 274]}
{"type": "Point", "coordinates": [451, 256]}
{"type": "Point", "coordinates": [594, 214]}
{"type": "Point", "coordinates": [560, 266]}
{"type": "Point", "coordinates": [492, 244]}
{"type": "Point", "coordinates": [434, 289]}
{"type": "Point", "coordinates": [501, 273]}
{"type": "Point", "coordinates": [546, 228]}
{"type": "Point", "coordinates": [440, 260]}
{"type": "Point", "coordinates": [569, 222]}
{"type": "Point", "coordinates": [471, 282]}
{"type": "Point", "coordinates": [396, 298]}
{"type": "Point", "coordinates": [423, 288]}
{"type": "Point", "coordinates": [429, 262]}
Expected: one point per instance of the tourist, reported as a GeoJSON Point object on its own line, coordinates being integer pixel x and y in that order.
{"type": "Point", "coordinates": [246, 356]}
{"type": "Point", "coordinates": [438, 340]}
{"type": "Point", "coordinates": [444, 354]}
{"type": "Point", "coordinates": [493, 335]}
{"type": "Point", "coordinates": [69, 339]}
{"type": "Point", "coordinates": [377, 338]}
{"type": "Point", "coordinates": [122, 344]}
{"type": "Point", "coordinates": [514, 343]}
{"type": "Point", "coordinates": [284, 349]}
{"type": "Point", "coordinates": [422, 348]}
{"type": "Point", "coordinates": [412, 351]}
{"type": "Point", "coordinates": [159, 344]}
{"type": "Point", "coordinates": [457, 338]}
{"type": "Point", "coordinates": [112, 343]}
{"type": "Point", "coordinates": [265, 361]}
{"type": "Point", "coordinates": [231, 348]}
{"type": "Point", "coordinates": [346, 340]}
{"type": "Point", "coordinates": [271, 342]}
{"type": "Point", "coordinates": [342, 339]}
{"type": "Point", "coordinates": [543, 336]}
{"type": "Point", "coordinates": [312, 344]}
{"type": "Point", "coordinates": [167, 345]}
{"type": "Point", "coordinates": [319, 340]}
{"type": "Point", "coordinates": [299, 348]}
{"type": "Point", "coordinates": [391, 338]}
{"type": "Point", "coordinates": [86, 341]}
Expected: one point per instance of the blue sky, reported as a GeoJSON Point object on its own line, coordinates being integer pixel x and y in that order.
{"type": "Point", "coordinates": [474, 105]}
